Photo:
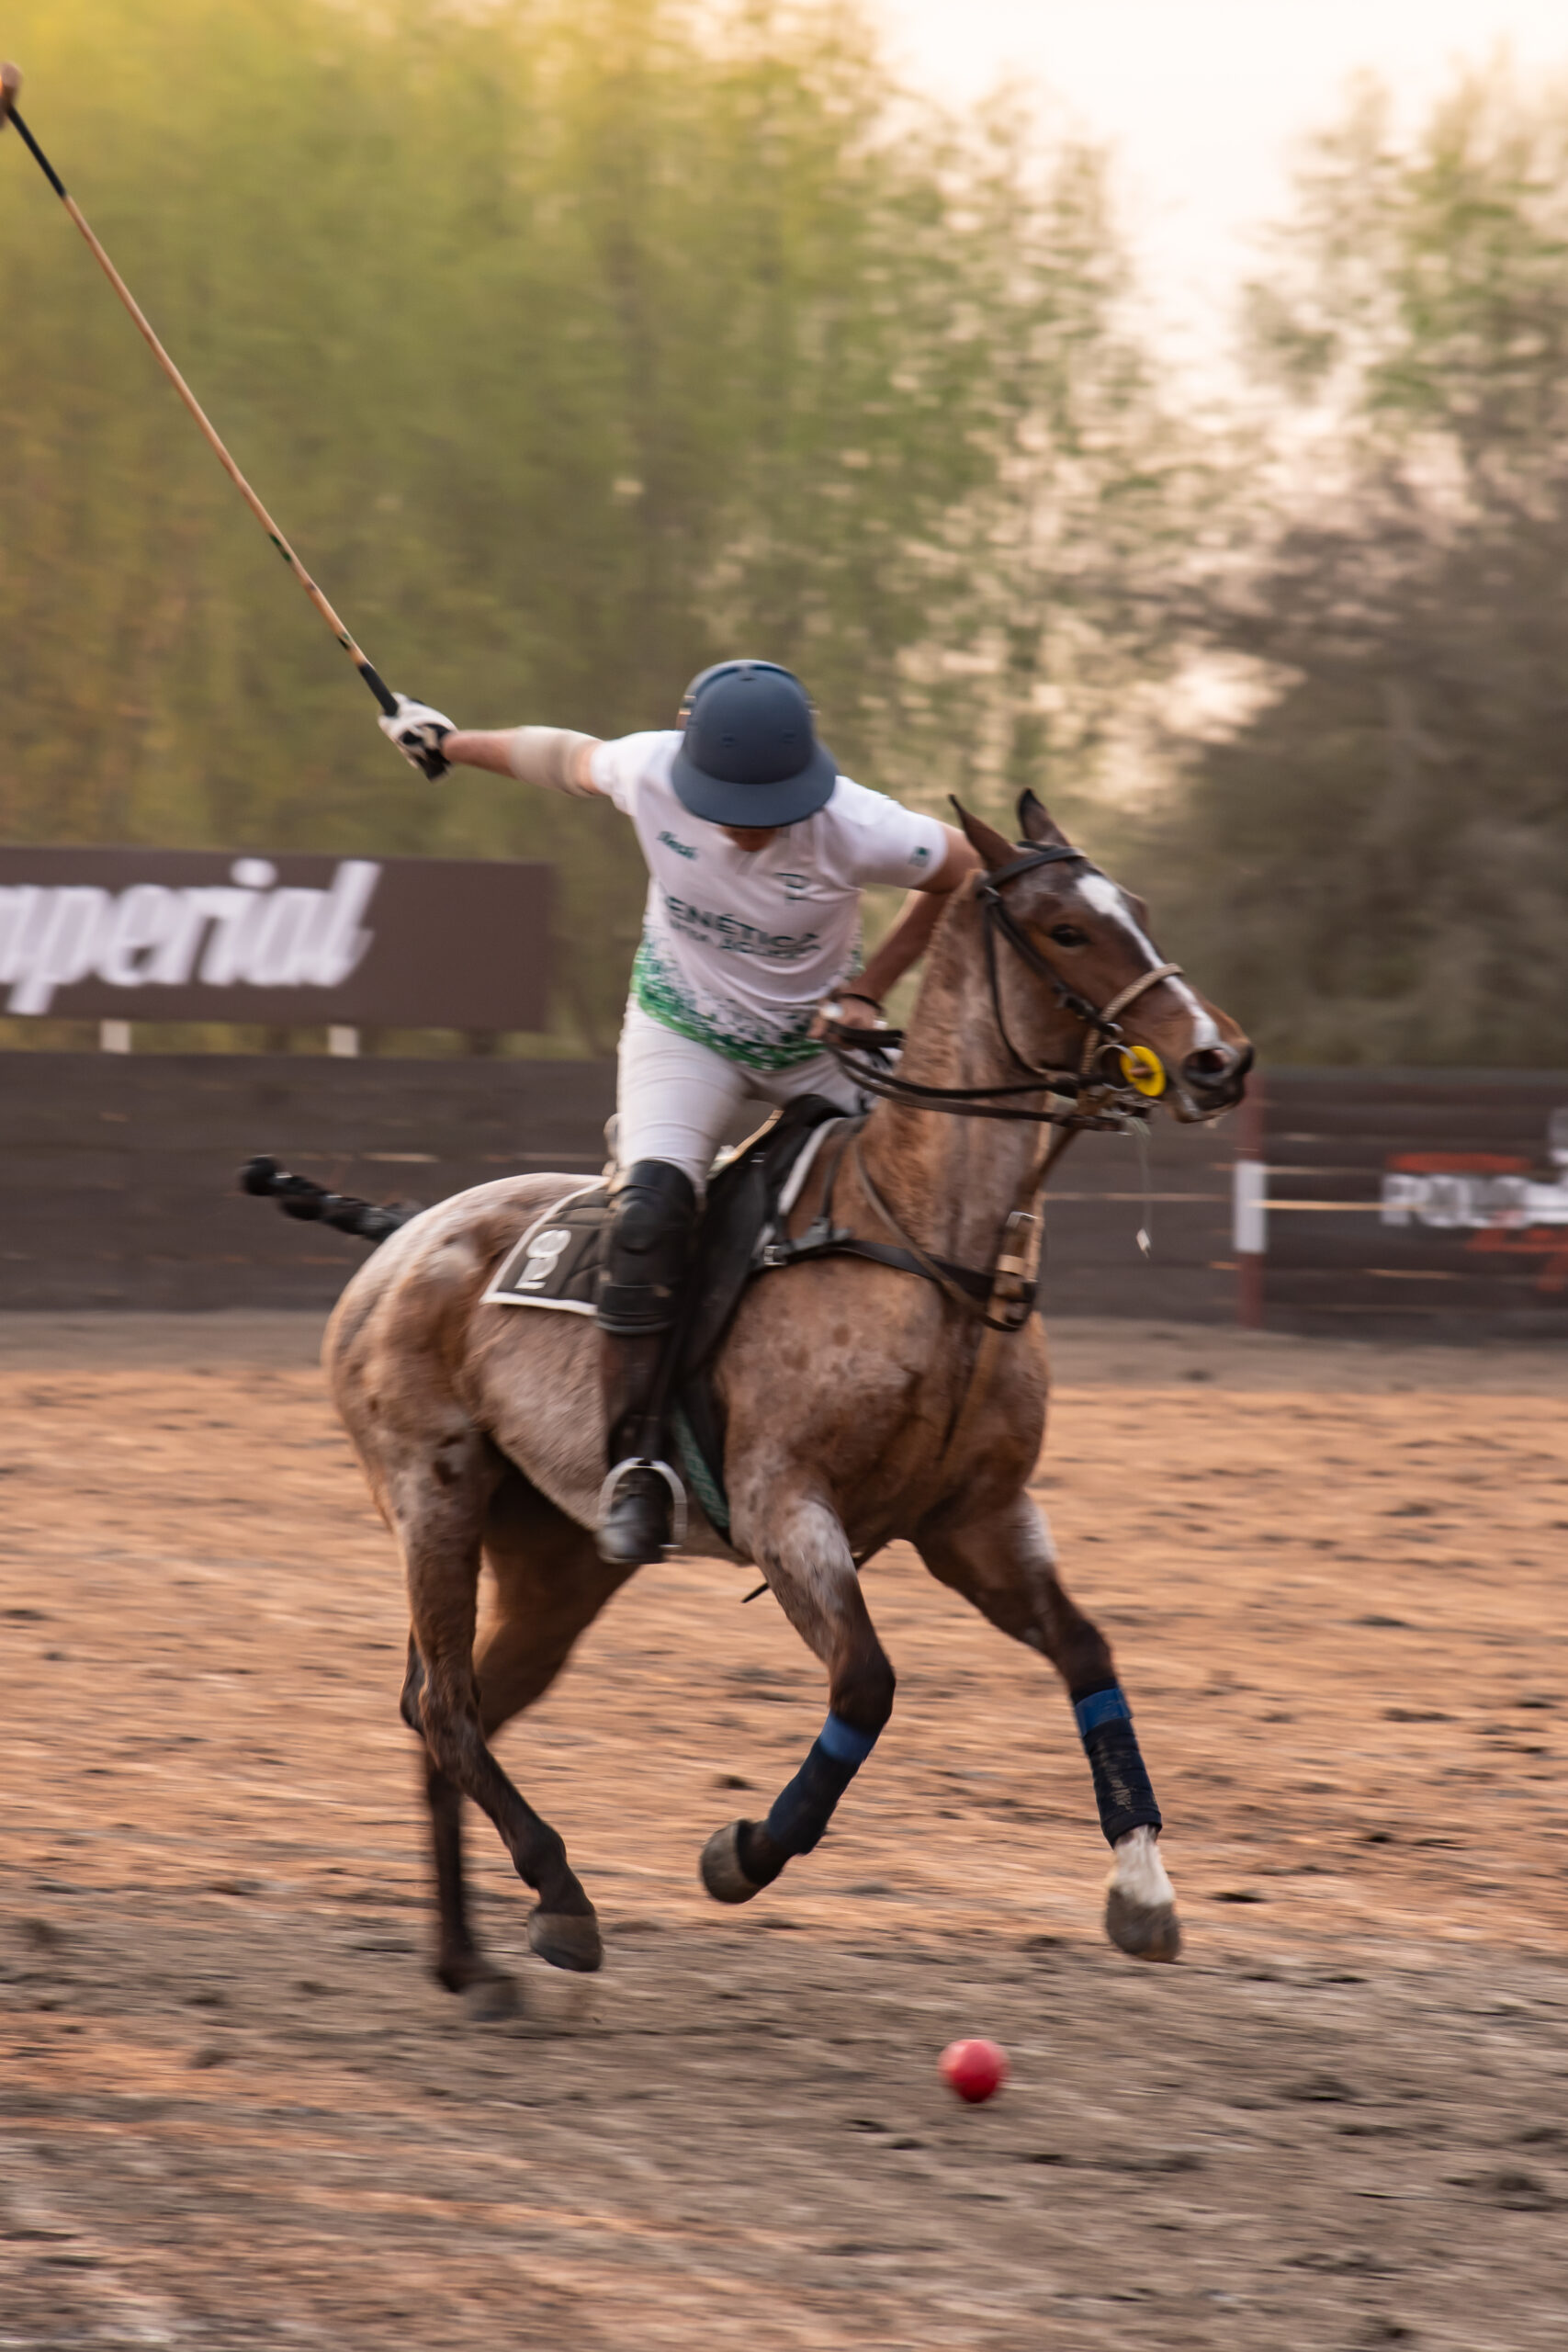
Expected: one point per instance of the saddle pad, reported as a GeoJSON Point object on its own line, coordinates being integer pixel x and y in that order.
{"type": "Point", "coordinates": [557, 1261]}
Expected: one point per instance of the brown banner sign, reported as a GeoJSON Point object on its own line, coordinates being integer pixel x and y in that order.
{"type": "Point", "coordinates": [141, 934]}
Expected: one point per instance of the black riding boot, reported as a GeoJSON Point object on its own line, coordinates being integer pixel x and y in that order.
{"type": "Point", "coordinates": [634, 1520]}
{"type": "Point", "coordinates": [653, 1219]}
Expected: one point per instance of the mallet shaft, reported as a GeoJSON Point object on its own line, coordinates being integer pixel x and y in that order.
{"type": "Point", "coordinates": [366, 668]}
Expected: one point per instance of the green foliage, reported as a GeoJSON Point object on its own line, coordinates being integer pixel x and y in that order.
{"type": "Point", "coordinates": [1428, 288]}
{"type": "Point", "coordinates": [1374, 868]}
{"type": "Point", "coordinates": [575, 344]}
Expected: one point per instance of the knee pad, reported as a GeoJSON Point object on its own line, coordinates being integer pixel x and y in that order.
{"type": "Point", "coordinates": [653, 1217]}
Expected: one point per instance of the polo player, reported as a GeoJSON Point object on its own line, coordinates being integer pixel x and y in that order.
{"type": "Point", "coordinates": [757, 851]}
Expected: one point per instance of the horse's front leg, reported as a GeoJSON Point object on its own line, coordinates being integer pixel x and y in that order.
{"type": "Point", "coordinates": [807, 1559]}
{"type": "Point", "coordinates": [1006, 1565]}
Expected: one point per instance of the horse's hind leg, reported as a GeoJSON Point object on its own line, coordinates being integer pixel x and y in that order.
{"type": "Point", "coordinates": [1006, 1565]}
{"type": "Point", "coordinates": [459, 1963]}
{"type": "Point", "coordinates": [807, 1559]}
{"type": "Point", "coordinates": [441, 1525]}
{"type": "Point", "coordinates": [550, 1585]}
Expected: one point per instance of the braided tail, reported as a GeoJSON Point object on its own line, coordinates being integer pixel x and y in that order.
{"type": "Point", "coordinates": [297, 1196]}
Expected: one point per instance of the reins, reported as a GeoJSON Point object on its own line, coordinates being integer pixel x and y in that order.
{"type": "Point", "coordinates": [866, 1063]}
{"type": "Point", "coordinates": [1075, 1102]}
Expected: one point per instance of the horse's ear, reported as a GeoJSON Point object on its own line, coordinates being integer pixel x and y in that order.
{"type": "Point", "coordinates": [1037, 823]}
{"type": "Point", "coordinates": [987, 844]}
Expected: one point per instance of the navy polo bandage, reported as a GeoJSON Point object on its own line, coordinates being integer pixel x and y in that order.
{"type": "Point", "coordinates": [1101, 1707]}
{"type": "Point", "coordinates": [1122, 1788]}
{"type": "Point", "coordinates": [844, 1744]}
{"type": "Point", "coordinates": [801, 1812]}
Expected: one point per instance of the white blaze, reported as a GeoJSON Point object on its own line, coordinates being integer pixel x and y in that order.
{"type": "Point", "coordinates": [1106, 899]}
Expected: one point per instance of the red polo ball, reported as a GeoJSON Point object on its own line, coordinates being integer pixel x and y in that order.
{"type": "Point", "coordinates": [976, 2070]}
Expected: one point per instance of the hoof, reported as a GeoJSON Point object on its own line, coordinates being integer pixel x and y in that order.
{"type": "Point", "coordinates": [1146, 1930]}
{"type": "Point", "coordinates": [566, 1940]}
{"type": "Point", "coordinates": [490, 1999]}
{"type": "Point", "coordinates": [722, 1874]}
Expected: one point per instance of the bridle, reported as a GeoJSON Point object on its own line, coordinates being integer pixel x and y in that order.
{"type": "Point", "coordinates": [1076, 1100]}
{"type": "Point", "coordinates": [1111, 1106]}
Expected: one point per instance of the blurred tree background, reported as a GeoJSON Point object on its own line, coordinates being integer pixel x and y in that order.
{"type": "Point", "coordinates": [575, 344]}
{"type": "Point", "coordinates": [1374, 865]}
{"type": "Point", "coordinates": [579, 343]}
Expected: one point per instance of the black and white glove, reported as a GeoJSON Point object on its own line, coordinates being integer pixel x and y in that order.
{"type": "Point", "coordinates": [418, 732]}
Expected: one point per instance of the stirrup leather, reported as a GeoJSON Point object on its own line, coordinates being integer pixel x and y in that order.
{"type": "Point", "coordinates": [677, 1496]}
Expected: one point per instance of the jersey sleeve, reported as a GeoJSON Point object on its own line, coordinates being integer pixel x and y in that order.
{"type": "Point", "coordinates": [619, 767]}
{"type": "Point", "coordinates": [877, 840]}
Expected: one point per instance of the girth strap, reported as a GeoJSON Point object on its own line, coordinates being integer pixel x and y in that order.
{"type": "Point", "coordinates": [824, 1239]}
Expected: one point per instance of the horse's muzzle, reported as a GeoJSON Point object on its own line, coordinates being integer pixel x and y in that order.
{"type": "Point", "coordinates": [1214, 1078]}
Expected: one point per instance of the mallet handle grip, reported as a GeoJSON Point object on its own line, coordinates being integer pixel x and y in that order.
{"type": "Point", "coordinates": [366, 668]}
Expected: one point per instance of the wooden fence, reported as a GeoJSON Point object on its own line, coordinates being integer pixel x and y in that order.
{"type": "Point", "coordinates": [1417, 1203]}
{"type": "Point", "coordinates": [1423, 1203]}
{"type": "Point", "coordinates": [117, 1177]}
{"type": "Point", "coordinates": [117, 1172]}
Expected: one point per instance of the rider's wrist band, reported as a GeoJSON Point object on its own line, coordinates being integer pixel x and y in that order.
{"type": "Point", "coordinates": [859, 996]}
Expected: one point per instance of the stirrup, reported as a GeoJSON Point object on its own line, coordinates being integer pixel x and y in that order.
{"type": "Point", "coordinates": [677, 1537]}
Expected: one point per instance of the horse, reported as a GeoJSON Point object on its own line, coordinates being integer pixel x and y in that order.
{"type": "Point", "coordinates": [862, 1401]}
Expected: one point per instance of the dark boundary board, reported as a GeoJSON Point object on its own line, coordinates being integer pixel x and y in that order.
{"type": "Point", "coordinates": [1096, 1204]}
{"type": "Point", "coordinates": [1333, 1266]}
{"type": "Point", "coordinates": [117, 1171]}
{"type": "Point", "coordinates": [117, 1178]}
{"type": "Point", "coordinates": [116, 1186]}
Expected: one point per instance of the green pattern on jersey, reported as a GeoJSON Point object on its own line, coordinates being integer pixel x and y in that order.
{"type": "Point", "coordinates": [659, 987]}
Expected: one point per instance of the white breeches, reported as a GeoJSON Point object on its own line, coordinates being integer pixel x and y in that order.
{"type": "Point", "coordinates": [676, 1100]}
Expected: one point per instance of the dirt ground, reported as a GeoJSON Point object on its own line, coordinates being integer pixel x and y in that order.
{"type": "Point", "coordinates": [234, 2111]}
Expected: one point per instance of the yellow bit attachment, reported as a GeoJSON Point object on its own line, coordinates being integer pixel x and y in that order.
{"type": "Point", "coordinates": [1143, 1068]}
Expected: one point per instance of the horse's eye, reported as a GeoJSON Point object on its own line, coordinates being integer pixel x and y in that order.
{"type": "Point", "coordinates": [1067, 934]}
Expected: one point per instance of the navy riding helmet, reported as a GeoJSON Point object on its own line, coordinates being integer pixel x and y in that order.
{"type": "Point", "coordinates": [749, 754]}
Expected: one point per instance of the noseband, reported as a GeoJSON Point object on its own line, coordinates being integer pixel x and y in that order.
{"type": "Point", "coordinates": [1103, 1028]}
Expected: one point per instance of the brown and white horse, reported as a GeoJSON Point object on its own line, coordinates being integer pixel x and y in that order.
{"type": "Point", "coordinates": [863, 1404]}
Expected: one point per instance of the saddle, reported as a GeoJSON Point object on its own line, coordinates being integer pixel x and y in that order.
{"type": "Point", "coordinates": [559, 1262]}
{"type": "Point", "coordinates": [744, 1233]}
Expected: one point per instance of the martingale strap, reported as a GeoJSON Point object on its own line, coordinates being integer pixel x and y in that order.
{"type": "Point", "coordinates": [822, 1238]}
{"type": "Point", "coordinates": [1005, 1282]}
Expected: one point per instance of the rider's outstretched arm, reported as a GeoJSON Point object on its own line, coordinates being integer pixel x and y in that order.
{"type": "Point", "coordinates": [554, 757]}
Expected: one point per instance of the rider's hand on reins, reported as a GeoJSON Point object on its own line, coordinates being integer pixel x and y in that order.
{"type": "Point", "coordinates": [846, 1010]}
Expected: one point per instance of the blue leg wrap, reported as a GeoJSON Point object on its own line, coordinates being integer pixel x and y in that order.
{"type": "Point", "coordinates": [801, 1812]}
{"type": "Point", "coordinates": [1122, 1787]}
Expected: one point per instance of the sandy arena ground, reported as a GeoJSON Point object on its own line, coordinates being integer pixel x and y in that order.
{"type": "Point", "coordinates": [234, 2111]}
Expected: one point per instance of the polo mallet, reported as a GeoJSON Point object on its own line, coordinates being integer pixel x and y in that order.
{"type": "Point", "coordinates": [10, 83]}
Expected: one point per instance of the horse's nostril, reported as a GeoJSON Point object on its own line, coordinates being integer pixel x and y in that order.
{"type": "Point", "coordinates": [1210, 1067]}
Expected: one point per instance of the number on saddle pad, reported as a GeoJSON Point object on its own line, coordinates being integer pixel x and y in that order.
{"type": "Point", "coordinates": [543, 1250]}
{"type": "Point", "coordinates": [557, 1261]}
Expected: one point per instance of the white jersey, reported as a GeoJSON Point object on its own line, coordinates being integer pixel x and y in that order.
{"type": "Point", "coordinates": [739, 946]}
